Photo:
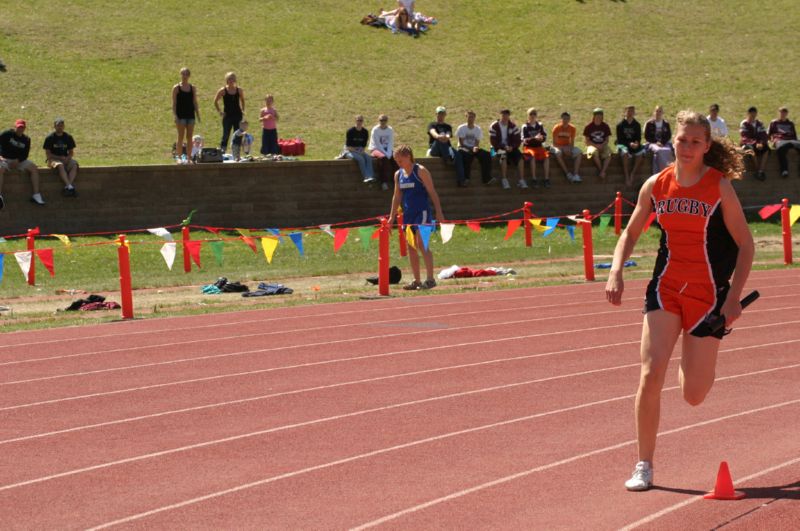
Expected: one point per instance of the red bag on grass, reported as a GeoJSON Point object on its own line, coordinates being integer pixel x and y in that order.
{"type": "Point", "coordinates": [292, 146]}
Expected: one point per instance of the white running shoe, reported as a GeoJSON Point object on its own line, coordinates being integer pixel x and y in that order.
{"type": "Point", "coordinates": [571, 177]}
{"type": "Point", "coordinates": [642, 478]}
{"type": "Point", "coordinates": [506, 185]}
{"type": "Point", "coordinates": [576, 178]}
{"type": "Point", "coordinates": [37, 198]}
{"type": "Point", "coordinates": [522, 184]}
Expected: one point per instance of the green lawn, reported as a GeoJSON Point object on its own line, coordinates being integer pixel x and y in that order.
{"type": "Point", "coordinates": [108, 67]}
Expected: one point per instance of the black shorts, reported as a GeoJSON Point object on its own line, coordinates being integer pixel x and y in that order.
{"type": "Point", "coordinates": [513, 156]}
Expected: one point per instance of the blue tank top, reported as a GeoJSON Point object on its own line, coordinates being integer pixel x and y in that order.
{"type": "Point", "coordinates": [415, 196]}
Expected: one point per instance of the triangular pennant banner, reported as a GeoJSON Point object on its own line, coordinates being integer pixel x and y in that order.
{"type": "Point", "coordinates": [168, 251]}
{"type": "Point", "coordinates": [65, 240]}
{"type": "Point", "coordinates": [537, 224]}
{"type": "Point", "coordinates": [649, 221]}
{"type": "Point", "coordinates": [769, 210]}
{"type": "Point", "coordinates": [46, 258]}
{"type": "Point", "coordinates": [551, 223]}
{"type": "Point", "coordinates": [297, 240]}
{"type": "Point", "coordinates": [326, 229]}
{"type": "Point", "coordinates": [794, 214]}
{"type": "Point", "coordinates": [213, 230]}
{"type": "Point", "coordinates": [276, 232]}
{"type": "Point", "coordinates": [605, 219]}
{"type": "Point", "coordinates": [446, 231]}
{"type": "Point", "coordinates": [339, 237]}
{"type": "Point", "coordinates": [571, 231]}
{"type": "Point", "coordinates": [217, 249]}
{"type": "Point", "coordinates": [425, 235]}
{"type": "Point", "coordinates": [24, 261]}
{"type": "Point", "coordinates": [193, 247]}
{"type": "Point", "coordinates": [158, 231]}
{"type": "Point", "coordinates": [474, 226]}
{"type": "Point", "coordinates": [365, 235]}
{"type": "Point", "coordinates": [410, 237]}
{"type": "Point", "coordinates": [376, 234]}
{"type": "Point", "coordinates": [269, 244]}
{"type": "Point", "coordinates": [513, 225]}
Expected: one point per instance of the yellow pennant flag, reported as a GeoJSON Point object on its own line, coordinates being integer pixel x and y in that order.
{"type": "Point", "coordinates": [269, 245]}
{"type": "Point", "coordinates": [794, 214]}
{"type": "Point", "coordinates": [65, 240]}
{"type": "Point", "coordinates": [410, 236]}
{"type": "Point", "coordinates": [537, 224]}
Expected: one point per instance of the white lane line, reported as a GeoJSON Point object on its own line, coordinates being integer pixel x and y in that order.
{"type": "Point", "coordinates": [650, 518]}
{"type": "Point", "coordinates": [317, 388]}
{"type": "Point", "coordinates": [415, 333]}
{"type": "Point", "coordinates": [522, 474]}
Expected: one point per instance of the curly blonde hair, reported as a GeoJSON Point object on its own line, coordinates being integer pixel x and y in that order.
{"type": "Point", "coordinates": [723, 154]}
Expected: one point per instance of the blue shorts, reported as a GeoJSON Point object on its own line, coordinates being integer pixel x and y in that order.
{"type": "Point", "coordinates": [184, 121]}
{"type": "Point", "coordinates": [416, 218]}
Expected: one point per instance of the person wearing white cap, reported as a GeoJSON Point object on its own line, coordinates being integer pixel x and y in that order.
{"type": "Point", "coordinates": [439, 135]}
{"type": "Point", "coordinates": [59, 149]}
{"type": "Point", "coordinates": [15, 146]}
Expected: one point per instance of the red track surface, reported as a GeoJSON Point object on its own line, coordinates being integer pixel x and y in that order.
{"type": "Point", "coordinates": [509, 409]}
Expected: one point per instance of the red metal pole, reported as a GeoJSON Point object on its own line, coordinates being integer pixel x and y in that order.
{"type": "Point", "coordinates": [588, 246]}
{"type": "Point", "coordinates": [32, 248]}
{"type": "Point", "coordinates": [618, 214]}
{"type": "Point", "coordinates": [125, 278]}
{"type": "Point", "coordinates": [526, 219]}
{"type": "Point", "coordinates": [787, 232]}
{"type": "Point", "coordinates": [383, 258]}
{"type": "Point", "coordinates": [187, 262]}
{"type": "Point", "coordinates": [401, 236]}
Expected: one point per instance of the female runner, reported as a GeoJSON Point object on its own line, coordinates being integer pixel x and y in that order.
{"type": "Point", "coordinates": [703, 262]}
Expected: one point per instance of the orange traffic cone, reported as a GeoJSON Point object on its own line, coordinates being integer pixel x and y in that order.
{"type": "Point", "coordinates": [723, 490]}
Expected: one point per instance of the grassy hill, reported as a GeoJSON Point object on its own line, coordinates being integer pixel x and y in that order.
{"type": "Point", "coordinates": [108, 67]}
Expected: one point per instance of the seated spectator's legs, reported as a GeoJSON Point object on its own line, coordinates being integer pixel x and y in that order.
{"type": "Point", "coordinates": [626, 155]}
{"type": "Point", "coordinates": [783, 149]}
{"type": "Point", "coordinates": [577, 154]}
{"type": "Point", "coordinates": [759, 157]}
{"type": "Point", "coordinates": [32, 169]}
{"type": "Point", "coordinates": [229, 124]}
{"type": "Point", "coordinates": [601, 157]}
{"type": "Point", "coordinates": [593, 154]}
{"type": "Point", "coordinates": [559, 155]}
{"type": "Point", "coordinates": [513, 157]}
{"type": "Point", "coordinates": [463, 162]}
{"type": "Point", "coordinates": [542, 154]}
{"type": "Point", "coordinates": [662, 156]}
{"type": "Point", "coordinates": [66, 171]}
{"type": "Point", "coordinates": [485, 160]}
{"type": "Point", "coordinates": [386, 166]}
{"type": "Point", "coordinates": [364, 164]}
{"type": "Point", "coordinates": [445, 151]}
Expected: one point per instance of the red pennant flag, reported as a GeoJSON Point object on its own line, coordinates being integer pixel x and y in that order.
{"type": "Point", "coordinates": [769, 210]}
{"type": "Point", "coordinates": [46, 257]}
{"type": "Point", "coordinates": [376, 234]}
{"type": "Point", "coordinates": [194, 250]}
{"type": "Point", "coordinates": [649, 221]}
{"type": "Point", "coordinates": [249, 241]}
{"type": "Point", "coordinates": [513, 225]}
{"type": "Point", "coordinates": [339, 237]}
{"type": "Point", "coordinates": [212, 229]}
{"type": "Point", "coordinates": [474, 226]}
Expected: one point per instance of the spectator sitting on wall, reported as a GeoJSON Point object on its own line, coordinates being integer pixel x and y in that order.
{"type": "Point", "coordinates": [381, 147]}
{"type": "Point", "coordinates": [564, 144]}
{"type": "Point", "coordinates": [469, 147]}
{"type": "Point", "coordinates": [505, 138]}
{"type": "Point", "coordinates": [533, 137]}
{"type": "Point", "coordinates": [597, 135]}
{"type": "Point", "coordinates": [719, 128]}
{"type": "Point", "coordinates": [658, 138]}
{"type": "Point", "coordinates": [783, 136]}
{"type": "Point", "coordinates": [754, 141]}
{"type": "Point", "coordinates": [439, 135]}
{"type": "Point", "coordinates": [59, 151]}
{"type": "Point", "coordinates": [629, 144]}
{"type": "Point", "coordinates": [15, 146]}
{"type": "Point", "coordinates": [355, 146]}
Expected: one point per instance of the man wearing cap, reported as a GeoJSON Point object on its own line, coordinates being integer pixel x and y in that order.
{"type": "Point", "coordinates": [597, 135]}
{"type": "Point", "coordinates": [784, 137]}
{"type": "Point", "coordinates": [439, 135]}
{"type": "Point", "coordinates": [504, 135]}
{"type": "Point", "coordinates": [719, 128]}
{"type": "Point", "coordinates": [754, 141]}
{"type": "Point", "coordinates": [59, 149]}
{"type": "Point", "coordinates": [469, 139]}
{"type": "Point", "coordinates": [15, 146]}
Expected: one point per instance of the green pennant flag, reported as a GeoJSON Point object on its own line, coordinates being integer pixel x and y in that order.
{"type": "Point", "coordinates": [216, 248]}
{"type": "Point", "coordinates": [365, 234]}
{"type": "Point", "coordinates": [605, 219]}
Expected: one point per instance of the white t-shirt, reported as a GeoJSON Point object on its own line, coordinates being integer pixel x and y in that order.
{"type": "Point", "coordinates": [467, 137]}
{"type": "Point", "coordinates": [718, 127]}
{"type": "Point", "coordinates": [503, 134]}
{"type": "Point", "coordinates": [382, 140]}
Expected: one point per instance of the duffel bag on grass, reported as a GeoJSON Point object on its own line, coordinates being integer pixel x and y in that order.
{"type": "Point", "coordinates": [293, 146]}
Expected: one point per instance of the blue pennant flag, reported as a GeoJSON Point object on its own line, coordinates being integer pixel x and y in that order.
{"type": "Point", "coordinates": [425, 234]}
{"type": "Point", "coordinates": [571, 230]}
{"type": "Point", "coordinates": [2, 256]}
{"type": "Point", "coordinates": [297, 240]}
{"type": "Point", "coordinates": [551, 223]}
{"type": "Point", "coordinates": [276, 232]}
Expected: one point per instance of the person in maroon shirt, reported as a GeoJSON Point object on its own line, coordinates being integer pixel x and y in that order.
{"type": "Point", "coordinates": [597, 135]}
{"type": "Point", "coordinates": [783, 136]}
{"type": "Point", "coordinates": [754, 139]}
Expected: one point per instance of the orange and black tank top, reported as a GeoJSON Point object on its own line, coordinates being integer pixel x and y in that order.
{"type": "Point", "coordinates": [696, 246]}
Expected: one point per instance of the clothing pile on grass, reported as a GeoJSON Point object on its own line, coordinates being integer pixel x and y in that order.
{"type": "Point", "coordinates": [222, 285]}
{"type": "Point", "coordinates": [388, 20]}
{"type": "Point", "coordinates": [465, 272]}
{"type": "Point", "coordinates": [92, 303]}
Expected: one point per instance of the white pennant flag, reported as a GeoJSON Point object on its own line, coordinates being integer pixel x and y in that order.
{"type": "Point", "coordinates": [447, 231]}
{"type": "Point", "coordinates": [327, 228]}
{"type": "Point", "coordinates": [168, 252]}
{"type": "Point", "coordinates": [161, 231]}
{"type": "Point", "coordinates": [24, 261]}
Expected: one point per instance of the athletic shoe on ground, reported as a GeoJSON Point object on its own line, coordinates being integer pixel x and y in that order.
{"type": "Point", "coordinates": [384, 186]}
{"type": "Point", "coordinates": [368, 180]}
{"type": "Point", "coordinates": [2, 202]}
{"type": "Point", "coordinates": [547, 183]}
{"type": "Point", "coordinates": [642, 478]}
{"type": "Point", "coordinates": [413, 286]}
{"type": "Point", "coordinates": [37, 198]}
{"type": "Point", "coordinates": [506, 185]}
{"type": "Point", "coordinates": [570, 177]}
{"type": "Point", "coordinates": [577, 178]}
{"type": "Point", "coordinates": [428, 284]}
{"type": "Point", "coordinates": [522, 184]}
{"type": "Point", "coordinates": [784, 174]}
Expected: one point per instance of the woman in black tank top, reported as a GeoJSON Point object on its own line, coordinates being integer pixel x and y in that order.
{"type": "Point", "coordinates": [184, 112]}
{"type": "Point", "coordinates": [232, 97]}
